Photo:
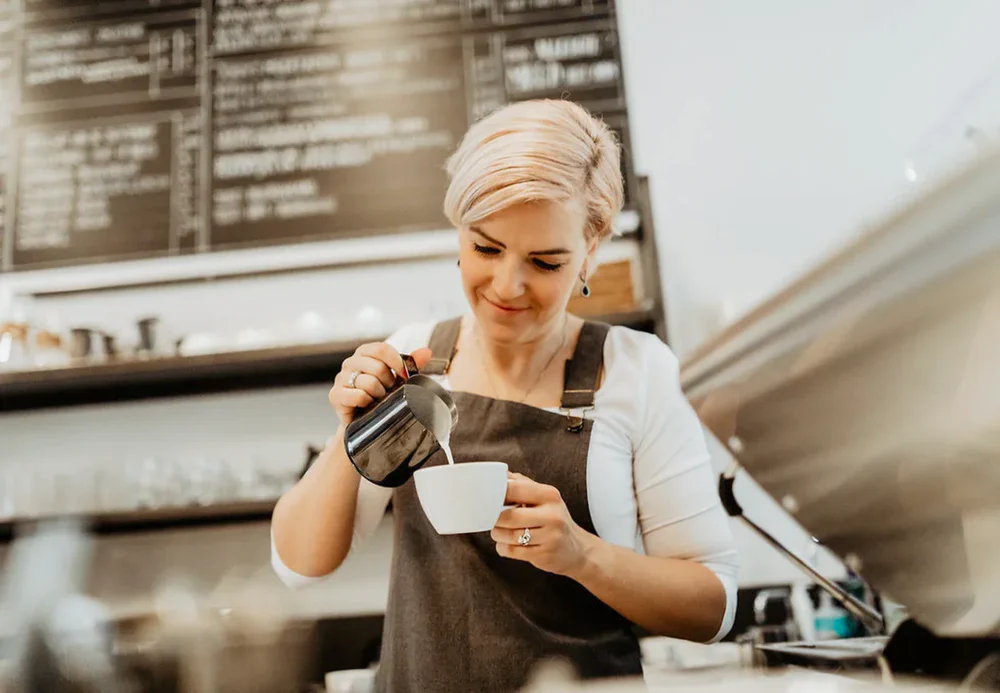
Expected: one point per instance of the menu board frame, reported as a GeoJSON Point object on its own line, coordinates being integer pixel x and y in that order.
{"type": "Point", "coordinates": [560, 53]}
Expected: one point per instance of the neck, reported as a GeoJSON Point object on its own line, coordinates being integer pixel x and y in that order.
{"type": "Point", "coordinates": [521, 361]}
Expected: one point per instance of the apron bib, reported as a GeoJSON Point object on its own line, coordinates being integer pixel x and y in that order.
{"type": "Point", "coordinates": [460, 617]}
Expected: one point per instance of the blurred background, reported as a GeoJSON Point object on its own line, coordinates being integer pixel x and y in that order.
{"type": "Point", "coordinates": [205, 206]}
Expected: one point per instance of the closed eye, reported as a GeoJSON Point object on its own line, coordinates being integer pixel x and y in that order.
{"type": "Point", "coordinates": [485, 249]}
{"type": "Point", "coordinates": [548, 266]}
{"type": "Point", "coordinates": [491, 251]}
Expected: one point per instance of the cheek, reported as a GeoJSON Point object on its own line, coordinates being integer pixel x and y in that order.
{"type": "Point", "coordinates": [475, 271]}
{"type": "Point", "coordinates": [552, 289]}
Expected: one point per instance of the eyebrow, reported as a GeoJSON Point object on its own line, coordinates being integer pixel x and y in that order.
{"type": "Point", "coordinates": [550, 251]}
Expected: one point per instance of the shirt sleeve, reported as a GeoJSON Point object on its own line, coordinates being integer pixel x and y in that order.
{"type": "Point", "coordinates": [372, 499]}
{"type": "Point", "coordinates": [680, 514]}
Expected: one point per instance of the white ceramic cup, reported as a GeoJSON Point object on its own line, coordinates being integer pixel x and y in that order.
{"type": "Point", "coordinates": [464, 497]}
{"type": "Point", "coordinates": [350, 681]}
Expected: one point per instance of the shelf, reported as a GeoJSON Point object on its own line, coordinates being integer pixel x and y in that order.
{"type": "Point", "coordinates": [173, 377]}
{"type": "Point", "coordinates": [341, 253]}
{"type": "Point", "coordinates": [162, 519]}
{"type": "Point", "coordinates": [194, 375]}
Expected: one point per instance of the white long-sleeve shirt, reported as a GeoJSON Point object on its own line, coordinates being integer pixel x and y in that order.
{"type": "Point", "coordinates": [650, 484]}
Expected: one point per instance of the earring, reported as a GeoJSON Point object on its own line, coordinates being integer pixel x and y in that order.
{"type": "Point", "coordinates": [585, 290]}
{"type": "Point", "coordinates": [459, 263]}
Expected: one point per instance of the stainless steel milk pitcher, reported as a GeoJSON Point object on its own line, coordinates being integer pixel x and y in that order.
{"type": "Point", "coordinates": [395, 436]}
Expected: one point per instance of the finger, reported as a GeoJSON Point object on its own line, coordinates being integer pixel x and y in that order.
{"type": "Point", "coordinates": [519, 518]}
{"type": "Point", "coordinates": [518, 553]}
{"type": "Point", "coordinates": [370, 365]}
{"type": "Point", "coordinates": [370, 384]}
{"type": "Point", "coordinates": [536, 536]}
{"type": "Point", "coordinates": [384, 353]}
{"type": "Point", "coordinates": [528, 492]}
{"type": "Point", "coordinates": [422, 356]}
{"type": "Point", "coordinates": [351, 398]}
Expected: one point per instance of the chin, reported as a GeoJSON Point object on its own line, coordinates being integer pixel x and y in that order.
{"type": "Point", "coordinates": [502, 330]}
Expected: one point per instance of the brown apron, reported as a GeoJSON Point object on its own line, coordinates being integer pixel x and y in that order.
{"type": "Point", "coordinates": [460, 617]}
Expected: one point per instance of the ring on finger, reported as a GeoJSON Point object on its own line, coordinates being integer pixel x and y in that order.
{"type": "Point", "coordinates": [524, 538]}
{"type": "Point", "coordinates": [353, 379]}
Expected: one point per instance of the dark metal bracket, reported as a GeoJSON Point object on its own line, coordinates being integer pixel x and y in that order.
{"type": "Point", "coordinates": [871, 618]}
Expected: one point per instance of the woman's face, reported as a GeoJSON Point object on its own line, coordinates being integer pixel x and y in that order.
{"type": "Point", "coordinates": [520, 267]}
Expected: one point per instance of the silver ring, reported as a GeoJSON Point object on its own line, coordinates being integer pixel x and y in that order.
{"type": "Point", "coordinates": [353, 379]}
{"type": "Point", "coordinates": [525, 537]}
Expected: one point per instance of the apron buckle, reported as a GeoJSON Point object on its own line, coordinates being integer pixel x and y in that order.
{"type": "Point", "coordinates": [575, 418]}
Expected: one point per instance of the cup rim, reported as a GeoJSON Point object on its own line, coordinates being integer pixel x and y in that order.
{"type": "Point", "coordinates": [426, 470]}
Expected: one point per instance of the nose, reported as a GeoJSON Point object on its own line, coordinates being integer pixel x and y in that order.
{"type": "Point", "coordinates": [508, 280]}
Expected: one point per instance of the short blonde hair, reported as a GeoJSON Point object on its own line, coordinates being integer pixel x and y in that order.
{"type": "Point", "coordinates": [533, 151]}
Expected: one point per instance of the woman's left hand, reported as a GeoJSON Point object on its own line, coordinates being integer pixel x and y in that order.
{"type": "Point", "coordinates": [557, 544]}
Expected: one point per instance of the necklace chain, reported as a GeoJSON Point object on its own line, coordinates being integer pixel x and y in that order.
{"type": "Point", "coordinates": [538, 378]}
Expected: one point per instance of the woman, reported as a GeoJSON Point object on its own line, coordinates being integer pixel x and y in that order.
{"type": "Point", "coordinates": [617, 521]}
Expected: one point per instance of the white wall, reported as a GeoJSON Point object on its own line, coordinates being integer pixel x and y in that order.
{"type": "Point", "coordinates": [771, 132]}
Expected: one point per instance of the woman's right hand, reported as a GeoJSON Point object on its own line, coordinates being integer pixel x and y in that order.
{"type": "Point", "coordinates": [376, 365]}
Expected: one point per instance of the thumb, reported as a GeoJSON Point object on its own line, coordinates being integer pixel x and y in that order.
{"type": "Point", "coordinates": [422, 356]}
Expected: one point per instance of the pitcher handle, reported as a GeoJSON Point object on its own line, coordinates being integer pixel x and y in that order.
{"type": "Point", "coordinates": [409, 366]}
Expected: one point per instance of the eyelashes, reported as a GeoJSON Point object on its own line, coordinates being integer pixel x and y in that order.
{"type": "Point", "coordinates": [547, 266]}
{"type": "Point", "coordinates": [486, 250]}
{"type": "Point", "coordinates": [490, 251]}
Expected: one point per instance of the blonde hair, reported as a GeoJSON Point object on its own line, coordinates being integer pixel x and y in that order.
{"type": "Point", "coordinates": [534, 151]}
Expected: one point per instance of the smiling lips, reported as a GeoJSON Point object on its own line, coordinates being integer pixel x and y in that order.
{"type": "Point", "coordinates": [503, 307]}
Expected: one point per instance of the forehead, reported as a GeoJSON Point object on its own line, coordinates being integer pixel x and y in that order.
{"type": "Point", "coordinates": [533, 225]}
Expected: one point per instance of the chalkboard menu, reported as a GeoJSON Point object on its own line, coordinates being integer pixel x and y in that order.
{"type": "Point", "coordinates": [149, 128]}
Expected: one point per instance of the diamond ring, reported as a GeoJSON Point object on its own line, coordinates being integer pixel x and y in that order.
{"type": "Point", "coordinates": [353, 379]}
{"type": "Point", "coordinates": [525, 537]}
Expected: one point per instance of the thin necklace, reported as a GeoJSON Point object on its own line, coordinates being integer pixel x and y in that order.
{"type": "Point", "coordinates": [538, 378]}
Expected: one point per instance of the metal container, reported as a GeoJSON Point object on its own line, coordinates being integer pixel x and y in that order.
{"type": "Point", "coordinates": [91, 344]}
{"type": "Point", "coordinates": [395, 436]}
{"type": "Point", "coordinates": [148, 333]}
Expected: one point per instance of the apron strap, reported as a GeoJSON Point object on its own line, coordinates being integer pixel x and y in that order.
{"type": "Point", "coordinates": [584, 370]}
{"type": "Point", "coordinates": [442, 344]}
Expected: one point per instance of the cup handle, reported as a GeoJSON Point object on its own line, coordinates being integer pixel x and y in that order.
{"type": "Point", "coordinates": [509, 506]}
